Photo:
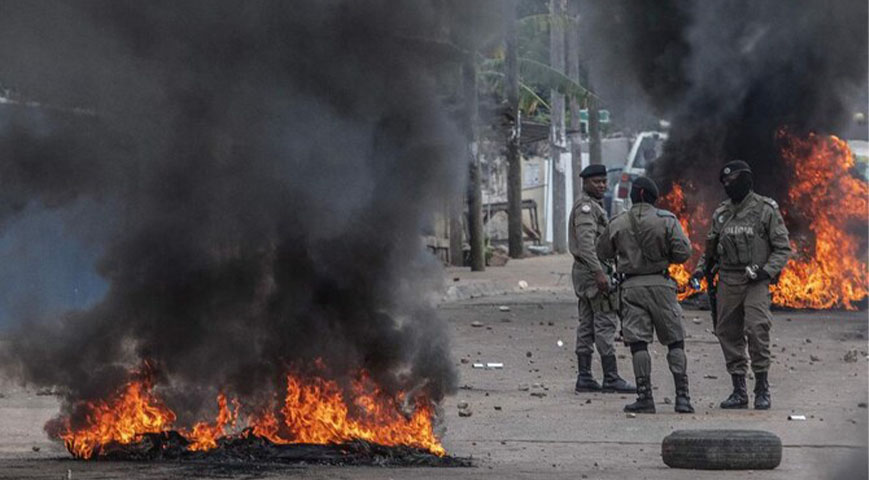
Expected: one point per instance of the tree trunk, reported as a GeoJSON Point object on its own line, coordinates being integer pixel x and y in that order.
{"type": "Point", "coordinates": [514, 159]}
{"type": "Point", "coordinates": [475, 196]}
{"type": "Point", "coordinates": [573, 74]}
{"type": "Point", "coordinates": [558, 141]}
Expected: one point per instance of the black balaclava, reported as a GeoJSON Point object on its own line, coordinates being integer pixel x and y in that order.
{"type": "Point", "coordinates": [644, 190]}
{"type": "Point", "coordinates": [739, 188]}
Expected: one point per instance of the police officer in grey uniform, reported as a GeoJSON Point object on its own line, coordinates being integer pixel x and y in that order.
{"type": "Point", "coordinates": [598, 305]}
{"type": "Point", "coordinates": [749, 242]}
{"type": "Point", "coordinates": [644, 241]}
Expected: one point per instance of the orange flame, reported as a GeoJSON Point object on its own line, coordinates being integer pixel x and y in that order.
{"type": "Point", "coordinates": [676, 202]}
{"type": "Point", "coordinates": [314, 411]}
{"type": "Point", "coordinates": [133, 411]}
{"type": "Point", "coordinates": [204, 435]}
{"type": "Point", "coordinates": [827, 270]}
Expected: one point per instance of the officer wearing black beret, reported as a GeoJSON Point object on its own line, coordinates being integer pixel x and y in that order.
{"type": "Point", "coordinates": [598, 306]}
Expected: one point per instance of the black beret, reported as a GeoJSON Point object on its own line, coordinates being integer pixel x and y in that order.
{"type": "Point", "coordinates": [647, 184]}
{"type": "Point", "coordinates": [732, 167]}
{"type": "Point", "coordinates": [595, 170]}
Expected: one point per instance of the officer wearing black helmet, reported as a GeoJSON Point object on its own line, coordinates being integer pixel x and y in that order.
{"type": "Point", "coordinates": [597, 303]}
{"type": "Point", "coordinates": [644, 241]}
{"type": "Point", "coordinates": [749, 243]}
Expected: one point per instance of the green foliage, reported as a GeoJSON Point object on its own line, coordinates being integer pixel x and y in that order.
{"type": "Point", "coordinates": [536, 78]}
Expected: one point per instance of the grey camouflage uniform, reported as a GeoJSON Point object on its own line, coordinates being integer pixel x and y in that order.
{"type": "Point", "coordinates": [645, 241]}
{"type": "Point", "coordinates": [751, 233]}
{"type": "Point", "coordinates": [598, 318]}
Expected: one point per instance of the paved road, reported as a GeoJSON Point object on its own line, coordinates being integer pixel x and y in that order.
{"type": "Point", "coordinates": [512, 434]}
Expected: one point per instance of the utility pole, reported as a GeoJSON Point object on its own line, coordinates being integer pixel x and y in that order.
{"type": "Point", "coordinates": [514, 158]}
{"type": "Point", "coordinates": [475, 194]}
{"type": "Point", "coordinates": [558, 139]}
{"type": "Point", "coordinates": [573, 74]}
{"type": "Point", "coordinates": [457, 254]}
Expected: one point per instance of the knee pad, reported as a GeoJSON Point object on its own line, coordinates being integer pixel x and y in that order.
{"type": "Point", "coordinates": [639, 347]}
{"type": "Point", "coordinates": [675, 345]}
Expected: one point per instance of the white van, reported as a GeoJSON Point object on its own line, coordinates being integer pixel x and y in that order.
{"type": "Point", "coordinates": [647, 147]}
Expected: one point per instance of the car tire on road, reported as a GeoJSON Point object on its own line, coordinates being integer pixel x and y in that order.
{"type": "Point", "coordinates": [722, 450]}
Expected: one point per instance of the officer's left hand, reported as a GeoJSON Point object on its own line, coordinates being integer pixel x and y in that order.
{"type": "Point", "coordinates": [761, 275]}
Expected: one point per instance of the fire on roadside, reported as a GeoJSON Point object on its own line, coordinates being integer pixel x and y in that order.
{"type": "Point", "coordinates": [828, 269]}
{"type": "Point", "coordinates": [314, 410]}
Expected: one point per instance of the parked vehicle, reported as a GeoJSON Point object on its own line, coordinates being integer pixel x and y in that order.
{"type": "Point", "coordinates": [646, 148]}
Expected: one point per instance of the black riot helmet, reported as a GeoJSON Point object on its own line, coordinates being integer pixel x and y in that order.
{"type": "Point", "coordinates": [644, 190]}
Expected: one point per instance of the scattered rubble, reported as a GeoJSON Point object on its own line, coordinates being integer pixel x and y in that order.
{"type": "Point", "coordinates": [814, 358]}
{"type": "Point", "coordinates": [477, 323]}
{"type": "Point", "coordinates": [852, 356]}
{"type": "Point", "coordinates": [504, 308]}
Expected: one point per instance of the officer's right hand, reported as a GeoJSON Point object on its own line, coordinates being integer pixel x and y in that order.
{"type": "Point", "coordinates": [603, 284]}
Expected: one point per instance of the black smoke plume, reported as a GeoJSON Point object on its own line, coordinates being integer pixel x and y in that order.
{"type": "Point", "coordinates": [730, 74]}
{"type": "Point", "coordinates": [264, 168]}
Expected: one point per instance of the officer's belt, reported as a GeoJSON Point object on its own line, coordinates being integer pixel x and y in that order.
{"type": "Point", "coordinates": [663, 273]}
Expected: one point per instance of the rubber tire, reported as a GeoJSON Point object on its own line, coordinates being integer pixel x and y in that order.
{"type": "Point", "coordinates": [722, 450]}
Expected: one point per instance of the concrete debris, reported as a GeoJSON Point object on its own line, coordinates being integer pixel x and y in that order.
{"type": "Point", "coordinates": [462, 405]}
{"type": "Point", "coordinates": [667, 401]}
{"type": "Point", "coordinates": [498, 407]}
{"type": "Point", "coordinates": [696, 320]}
{"type": "Point", "coordinates": [862, 405]}
{"type": "Point", "coordinates": [796, 417]}
{"type": "Point", "coordinates": [631, 415]}
{"type": "Point", "coordinates": [504, 308]}
{"type": "Point", "coordinates": [538, 394]}
{"type": "Point", "coordinates": [559, 343]}
{"type": "Point", "coordinates": [465, 413]}
{"type": "Point", "coordinates": [852, 356]}
{"type": "Point", "coordinates": [34, 448]}
{"type": "Point", "coordinates": [523, 284]}
{"type": "Point", "coordinates": [464, 360]}
{"type": "Point", "coordinates": [524, 387]}
{"type": "Point", "coordinates": [477, 323]}
{"type": "Point", "coordinates": [528, 354]}
{"type": "Point", "coordinates": [711, 377]}
{"type": "Point", "coordinates": [814, 358]}
{"type": "Point", "coordinates": [808, 340]}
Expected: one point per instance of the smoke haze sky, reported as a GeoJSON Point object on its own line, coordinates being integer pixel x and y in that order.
{"type": "Point", "coordinates": [249, 180]}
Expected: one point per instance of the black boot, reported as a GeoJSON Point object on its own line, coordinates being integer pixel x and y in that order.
{"type": "Point", "coordinates": [612, 382]}
{"type": "Point", "coordinates": [683, 401]}
{"type": "Point", "coordinates": [584, 381]}
{"type": "Point", "coordinates": [739, 397]}
{"type": "Point", "coordinates": [645, 403]}
{"type": "Point", "coordinates": [761, 392]}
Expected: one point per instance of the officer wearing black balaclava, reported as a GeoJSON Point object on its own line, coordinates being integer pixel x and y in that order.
{"type": "Point", "coordinates": [644, 241]}
{"type": "Point", "coordinates": [748, 241]}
